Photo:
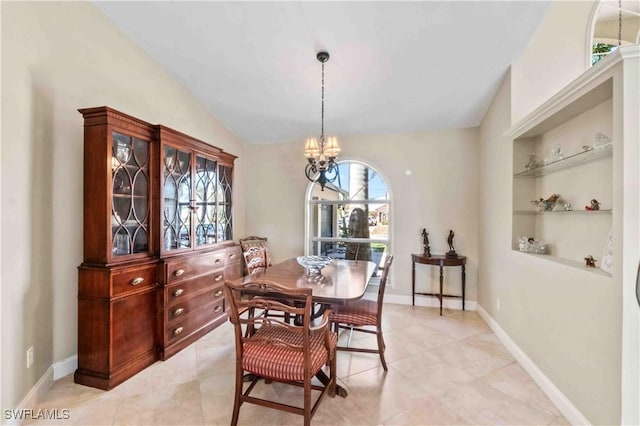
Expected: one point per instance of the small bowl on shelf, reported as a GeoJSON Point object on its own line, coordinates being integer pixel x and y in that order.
{"type": "Point", "coordinates": [314, 264]}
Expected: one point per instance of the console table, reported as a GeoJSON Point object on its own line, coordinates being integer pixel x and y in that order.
{"type": "Point", "coordinates": [441, 261]}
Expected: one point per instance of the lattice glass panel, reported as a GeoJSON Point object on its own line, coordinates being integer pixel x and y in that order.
{"type": "Point", "coordinates": [130, 195]}
{"type": "Point", "coordinates": [223, 212]}
{"type": "Point", "coordinates": [205, 200]}
{"type": "Point", "coordinates": [176, 220]}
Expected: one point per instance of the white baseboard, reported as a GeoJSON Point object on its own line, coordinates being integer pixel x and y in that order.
{"type": "Point", "coordinates": [568, 410]}
{"type": "Point", "coordinates": [65, 367]}
{"type": "Point", "coordinates": [427, 301]}
{"type": "Point", "coordinates": [36, 394]}
{"type": "Point", "coordinates": [39, 390]}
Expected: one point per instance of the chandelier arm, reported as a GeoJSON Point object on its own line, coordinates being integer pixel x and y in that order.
{"type": "Point", "coordinates": [310, 171]}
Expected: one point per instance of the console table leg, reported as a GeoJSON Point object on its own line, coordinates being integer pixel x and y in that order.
{"type": "Point", "coordinates": [463, 286]}
{"type": "Point", "coordinates": [441, 285]}
{"type": "Point", "coordinates": [413, 283]}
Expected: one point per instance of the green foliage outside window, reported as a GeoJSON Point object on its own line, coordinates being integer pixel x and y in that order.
{"type": "Point", "coordinates": [600, 50]}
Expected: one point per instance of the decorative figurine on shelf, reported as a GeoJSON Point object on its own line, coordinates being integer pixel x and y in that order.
{"type": "Point", "coordinates": [601, 140]}
{"type": "Point", "coordinates": [533, 162]}
{"type": "Point", "coordinates": [451, 254]}
{"type": "Point", "coordinates": [595, 205]}
{"type": "Point", "coordinates": [425, 242]}
{"type": "Point", "coordinates": [556, 153]}
{"type": "Point", "coordinates": [591, 262]}
{"type": "Point", "coordinates": [568, 207]}
{"type": "Point", "coordinates": [548, 204]}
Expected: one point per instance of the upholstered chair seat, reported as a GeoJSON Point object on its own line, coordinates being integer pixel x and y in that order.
{"type": "Point", "coordinates": [264, 357]}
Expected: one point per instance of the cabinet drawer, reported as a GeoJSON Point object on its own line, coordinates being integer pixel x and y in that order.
{"type": "Point", "coordinates": [233, 271]}
{"type": "Point", "coordinates": [129, 280]}
{"type": "Point", "coordinates": [183, 268]}
{"type": "Point", "coordinates": [234, 254]}
{"type": "Point", "coordinates": [197, 319]}
{"type": "Point", "coordinates": [183, 309]}
{"type": "Point", "coordinates": [178, 292]}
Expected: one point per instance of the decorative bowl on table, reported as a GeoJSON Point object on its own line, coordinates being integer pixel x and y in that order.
{"type": "Point", "coordinates": [314, 264]}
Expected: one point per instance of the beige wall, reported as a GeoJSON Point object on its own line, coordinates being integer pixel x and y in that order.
{"type": "Point", "coordinates": [432, 178]}
{"type": "Point", "coordinates": [556, 55]}
{"type": "Point", "coordinates": [56, 58]}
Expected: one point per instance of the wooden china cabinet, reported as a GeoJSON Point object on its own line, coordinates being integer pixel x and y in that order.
{"type": "Point", "coordinates": [158, 245]}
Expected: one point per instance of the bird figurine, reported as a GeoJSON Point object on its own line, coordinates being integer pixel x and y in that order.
{"type": "Point", "coordinates": [553, 198]}
{"type": "Point", "coordinates": [595, 205]}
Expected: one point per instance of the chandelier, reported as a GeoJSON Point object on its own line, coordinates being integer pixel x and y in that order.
{"type": "Point", "coordinates": [322, 167]}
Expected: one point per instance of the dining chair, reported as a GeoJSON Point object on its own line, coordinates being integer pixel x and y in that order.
{"type": "Point", "coordinates": [279, 351]}
{"type": "Point", "coordinates": [248, 243]}
{"type": "Point", "coordinates": [358, 314]}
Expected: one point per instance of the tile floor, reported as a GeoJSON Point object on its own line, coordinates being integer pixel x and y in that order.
{"type": "Point", "coordinates": [442, 370]}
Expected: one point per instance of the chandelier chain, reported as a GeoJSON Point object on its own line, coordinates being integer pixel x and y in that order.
{"type": "Point", "coordinates": [619, 22]}
{"type": "Point", "coordinates": [322, 114]}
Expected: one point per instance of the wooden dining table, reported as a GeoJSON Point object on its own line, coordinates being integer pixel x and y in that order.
{"type": "Point", "coordinates": [338, 283]}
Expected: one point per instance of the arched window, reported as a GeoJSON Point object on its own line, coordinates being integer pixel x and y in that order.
{"type": "Point", "coordinates": [350, 219]}
{"type": "Point", "coordinates": [613, 21]}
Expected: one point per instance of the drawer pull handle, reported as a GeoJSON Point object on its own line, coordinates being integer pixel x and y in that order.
{"type": "Point", "coordinates": [218, 260]}
{"type": "Point", "coordinates": [178, 312]}
{"type": "Point", "coordinates": [178, 292]}
{"type": "Point", "coordinates": [137, 281]}
{"type": "Point", "coordinates": [217, 309]}
{"type": "Point", "coordinates": [178, 272]}
{"type": "Point", "coordinates": [218, 293]}
{"type": "Point", "coordinates": [178, 331]}
{"type": "Point", "coordinates": [232, 255]}
{"type": "Point", "coordinates": [218, 278]}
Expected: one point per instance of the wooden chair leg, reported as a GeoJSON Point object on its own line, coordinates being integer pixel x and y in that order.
{"type": "Point", "coordinates": [307, 402]}
{"type": "Point", "coordinates": [381, 348]}
{"type": "Point", "coordinates": [333, 374]}
{"type": "Point", "coordinates": [237, 402]}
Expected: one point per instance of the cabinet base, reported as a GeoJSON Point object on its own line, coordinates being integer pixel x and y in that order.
{"type": "Point", "coordinates": [108, 381]}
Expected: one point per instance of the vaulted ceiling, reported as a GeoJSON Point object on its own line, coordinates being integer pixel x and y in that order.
{"type": "Point", "coordinates": [395, 67]}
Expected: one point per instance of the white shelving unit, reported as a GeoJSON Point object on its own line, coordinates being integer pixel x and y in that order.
{"type": "Point", "coordinates": [582, 157]}
{"type": "Point", "coordinates": [568, 122]}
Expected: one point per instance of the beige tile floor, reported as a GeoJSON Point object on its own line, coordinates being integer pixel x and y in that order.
{"type": "Point", "coordinates": [442, 371]}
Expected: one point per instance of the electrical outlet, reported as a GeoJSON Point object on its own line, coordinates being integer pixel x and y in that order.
{"type": "Point", "coordinates": [30, 357]}
{"type": "Point", "coordinates": [498, 304]}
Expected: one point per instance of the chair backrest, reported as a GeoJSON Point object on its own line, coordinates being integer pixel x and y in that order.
{"type": "Point", "coordinates": [255, 260]}
{"type": "Point", "coordinates": [383, 283]}
{"type": "Point", "coordinates": [266, 295]}
{"type": "Point", "coordinates": [253, 241]}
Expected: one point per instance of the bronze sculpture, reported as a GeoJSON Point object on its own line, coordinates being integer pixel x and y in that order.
{"type": "Point", "coordinates": [452, 252]}
{"type": "Point", "coordinates": [425, 242]}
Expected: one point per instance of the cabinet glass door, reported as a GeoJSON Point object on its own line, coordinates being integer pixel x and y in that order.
{"type": "Point", "coordinates": [223, 211]}
{"type": "Point", "coordinates": [176, 183]}
{"type": "Point", "coordinates": [205, 200]}
{"type": "Point", "coordinates": [129, 195]}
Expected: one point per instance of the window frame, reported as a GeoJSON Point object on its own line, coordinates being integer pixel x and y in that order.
{"type": "Point", "coordinates": [310, 239]}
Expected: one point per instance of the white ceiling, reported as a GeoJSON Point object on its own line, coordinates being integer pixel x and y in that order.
{"type": "Point", "coordinates": [395, 67]}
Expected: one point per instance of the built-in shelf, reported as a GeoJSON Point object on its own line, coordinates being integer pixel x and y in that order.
{"type": "Point", "coordinates": [569, 262]}
{"type": "Point", "coordinates": [591, 154]}
{"type": "Point", "coordinates": [561, 212]}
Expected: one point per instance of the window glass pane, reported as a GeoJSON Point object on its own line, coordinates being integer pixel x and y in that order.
{"type": "Point", "coordinates": [353, 220]}
{"type": "Point", "coordinates": [356, 181]}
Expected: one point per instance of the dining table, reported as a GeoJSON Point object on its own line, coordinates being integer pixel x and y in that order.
{"type": "Point", "coordinates": [336, 284]}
